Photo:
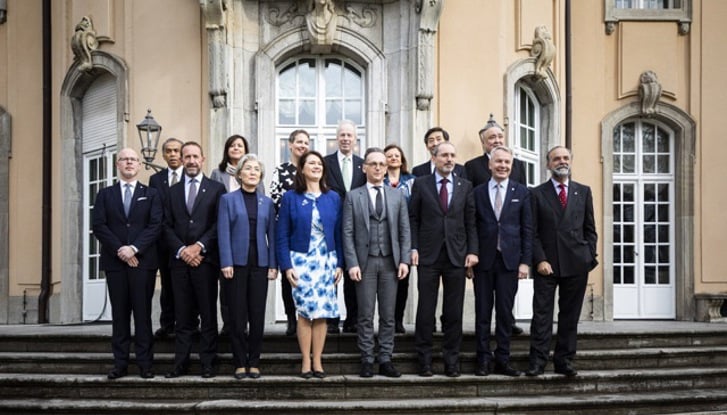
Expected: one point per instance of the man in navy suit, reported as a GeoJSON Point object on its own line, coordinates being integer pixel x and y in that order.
{"type": "Point", "coordinates": [190, 228]}
{"type": "Point", "coordinates": [343, 173]}
{"type": "Point", "coordinates": [432, 138]}
{"type": "Point", "coordinates": [478, 169]}
{"type": "Point", "coordinates": [504, 227]}
{"type": "Point", "coordinates": [127, 220]}
{"type": "Point", "coordinates": [444, 243]}
{"type": "Point", "coordinates": [161, 181]}
{"type": "Point", "coordinates": [564, 252]}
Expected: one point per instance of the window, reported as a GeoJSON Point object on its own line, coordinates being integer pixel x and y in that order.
{"type": "Point", "coordinates": [526, 132]}
{"type": "Point", "coordinates": [679, 11]}
{"type": "Point", "coordinates": [315, 93]}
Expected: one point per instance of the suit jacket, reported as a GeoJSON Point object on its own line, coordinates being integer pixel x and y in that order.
{"type": "Point", "coordinates": [425, 169]}
{"type": "Point", "coordinates": [565, 238]}
{"type": "Point", "coordinates": [113, 229]}
{"type": "Point", "coordinates": [431, 228]}
{"type": "Point", "coordinates": [182, 228]}
{"type": "Point", "coordinates": [356, 217]}
{"type": "Point", "coordinates": [478, 170]}
{"type": "Point", "coordinates": [334, 178]}
{"type": "Point", "coordinates": [294, 225]}
{"type": "Point", "coordinates": [233, 231]}
{"type": "Point", "coordinates": [515, 228]}
{"type": "Point", "coordinates": [160, 182]}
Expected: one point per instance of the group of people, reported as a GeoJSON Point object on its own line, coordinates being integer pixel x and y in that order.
{"type": "Point", "coordinates": [365, 221]}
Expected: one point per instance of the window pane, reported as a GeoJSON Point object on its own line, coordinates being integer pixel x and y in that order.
{"type": "Point", "coordinates": [628, 213]}
{"type": "Point", "coordinates": [628, 254]}
{"type": "Point", "coordinates": [648, 138]}
{"type": "Point", "coordinates": [650, 254]}
{"type": "Point", "coordinates": [307, 112]}
{"type": "Point", "coordinates": [663, 213]}
{"type": "Point", "coordinates": [663, 192]}
{"type": "Point", "coordinates": [627, 135]}
{"type": "Point", "coordinates": [628, 192]}
{"type": "Point", "coordinates": [628, 166]}
{"type": "Point", "coordinates": [286, 82]}
{"type": "Point", "coordinates": [663, 164]}
{"type": "Point", "coordinates": [352, 82]}
{"type": "Point", "coordinates": [663, 233]}
{"type": "Point", "coordinates": [662, 141]}
{"type": "Point", "coordinates": [616, 192]}
{"type": "Point", "coordinates": [650, 275]}
{"type": "Point", "coordinates": [628, 277]}
{"type": "Point", "coordinates": [286, 112]}
{"type": "Point", "coordinates": [617, 213]}
{"type": "Point", "coordinates": [649, 192]}
{"type": "Point", "coordinates": [334, 88]}
{"type": "Point", "coordinates": [649, 213]}
{"type": "Point", "coordinates": [616, 164]}
{"type": "Point", "coordinates": [628, 233]}
{"type": "Point", "coordinates": [617, 275]}
{"type": "Point", "coordinates": [307, 78]}
{"type": "Point", "coordinates": [664, 254]}
{"type": "Point", "coordinates": [353, 111]}
{"type": "Point", "coordinates": [616, 254]}
{"type": "Point", "coordinates": [664, 275]}
{"type": "Point", "coordinates": [531, 112]}
{"type": "Point", "coordinates": [648, 161]}
{"type": "Point", "coordinates": [334, 112]}
{"type": "Point", "coordinates": [616, 234]}
{"type": "Point", "coordinates": [650, 233]}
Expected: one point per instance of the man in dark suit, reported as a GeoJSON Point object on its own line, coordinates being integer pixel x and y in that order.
{"type": "Point", "coordinates": [127, 220]}
{"type": "Point", "coordinates": [504, 227]}
{"type": "Point", "coordinates": [478, 169]}
{"type": "Point", "coordinates": [444, 243]}
{"type": "Point", "coordinates": [492, 135]}
{"type": "Point", "coordinates": [190, 227]}
{"type": "Point", "coordinates": [564, 252]}
{"type": "Point", "coordinates": [161, 181]}
{"type": "Point", "coordinates": [343, 173]}
{"type": "Point", "coordinates": [376, 245]}
{"type": "Point", "coordinates": [432, 138]}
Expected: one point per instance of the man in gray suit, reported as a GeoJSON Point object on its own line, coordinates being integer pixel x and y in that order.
{"type": "Point", "coordinates": [376, 245]}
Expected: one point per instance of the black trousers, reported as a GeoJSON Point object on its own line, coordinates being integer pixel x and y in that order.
{"type": "Point", "coordinates": [195, 287]}
{"type": "Point", "coordinates": [402, 293]}
{"type": "Point", "coordinates": [166, 298]}
{"type": "Point", "coordinates": [570, 301]}
{"type": "Point", "coordinates": [349, 297]}
{"type": "Point", "coordinates": [287, 293]}
{"type": "Point", "coordinates": [453, 281]}
{"type": "Point", "coordinates": [246, 294]}
{"type": "Point", "coordinates": [130, 292]}
{"type": "Point", "coordinates": [494, 288]}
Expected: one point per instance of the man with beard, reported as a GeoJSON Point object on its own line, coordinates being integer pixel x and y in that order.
{"type": "Point", "coordinates": [564, 251]}
{"type": "Point", "coordinates": [444, 242]}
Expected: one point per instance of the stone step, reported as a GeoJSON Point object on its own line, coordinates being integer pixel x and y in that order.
{"type": "Point", "coordinates": [276, 342]}
{"type": "Point", "coordinates": [703, 401]}
{"type": "Point", "coordinates": [346, 388]}
{"type": "Point", "coordinates": [349, 363]}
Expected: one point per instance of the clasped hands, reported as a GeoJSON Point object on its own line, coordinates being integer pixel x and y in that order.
{"type": "Point", "coordinates": [126, 253]}
{"type": "Point", "coordinates": [192, 255]}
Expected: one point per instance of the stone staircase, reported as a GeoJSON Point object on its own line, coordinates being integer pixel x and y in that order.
{"type": "Point", "coordinates": [624, 368]}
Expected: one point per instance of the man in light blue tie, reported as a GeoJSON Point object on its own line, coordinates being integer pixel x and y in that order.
{"type": "Point", "coordinates": [127, 220]}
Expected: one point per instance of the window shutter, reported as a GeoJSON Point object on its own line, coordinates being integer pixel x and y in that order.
{"type": "Point", "coordinates": [99, 114]}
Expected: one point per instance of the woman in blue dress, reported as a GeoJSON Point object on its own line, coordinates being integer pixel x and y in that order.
{"type": "Point", "coordinates": [310, 255]}
{"type": "Point", "coordinates": [398, 177]}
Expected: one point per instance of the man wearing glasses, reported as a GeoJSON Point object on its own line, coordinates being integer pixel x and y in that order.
{"type": "Point", "coordinates": [127, 220]}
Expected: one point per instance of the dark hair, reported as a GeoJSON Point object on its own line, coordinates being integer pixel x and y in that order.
{"type": "Point", "coordinates": [434, 130]}
{"type": "Point", "coordinates": [547, 155]}
{"type": "Point", "coordinates": [404, 169]}
{"type": "Point", "coordinates": [170, 140]}
{"type": "Point", "coordinates": [299, 184]}
{"type": "Point", "coordinates": [228, 144]}
{"type": "Point", "coordinates": [192, 143]}
{"type": "Point", "coordinates": [373, 150]}
{"type": "Point", "coordinates": [292, 135]}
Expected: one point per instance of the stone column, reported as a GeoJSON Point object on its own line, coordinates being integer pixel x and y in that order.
{"type": "Point", "coordinates": [214, 13]}
{"type": "Point", "coordinates": [5, 151]}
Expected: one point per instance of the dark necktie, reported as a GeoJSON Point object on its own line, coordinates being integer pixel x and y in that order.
{"type": "Point", "coordinates": [562, 196]}
{"type": "Point", "coordinates": [379, 202]}
{"type": "Point", "coordinates": [127, 199]}
{"type": "Point", "coordinates": [443, 195]}
{"type": "Point", "coordinates": [192, 195]}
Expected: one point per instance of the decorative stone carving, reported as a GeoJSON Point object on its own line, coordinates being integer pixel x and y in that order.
{"type": "Point", "coordinates": [321, 21]}
{"type": "Point", "coordinates": [543, 51]}
{"type": "Point", "coordinates": [610, 27]}
{"type": "Point", "coordinates": [83, 43]}
{"type": "Point", "coordinates": [649, 92]}
{"type": "Point", "coordinates": [365, 18]}
{"type": "Point", "coordinates": [430, 11]}
{"type": "Point", "coordinates": [277, 18]}
{"type": "Point", "coordinates": [684, 27]}
{"type": "Point", "coordinates": [214, 13]}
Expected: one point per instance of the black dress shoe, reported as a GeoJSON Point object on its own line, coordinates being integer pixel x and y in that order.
{"type": "Point", "coordinates": [425, 371]}
{"type": "Point", "coordinates": [208, 372]}
{"type": "Point", "coordinates": [116, 373]}
{"type": "Point", "coordinates": [516, 330]}
{"type": "Point", "coordinates": [254, 374]}
{"type": "Point", "coordinates": [399, 328]}
{"type": "Point", "coordinates": [349, 329]}
{"type": "Point", "coordinates": [319, 374]}
{"type": "Point", "coordinates": [507, 370]}
{"type": "Point", "coordinates": [568, 370]}
{"type": "Point", "coordinates": [451, 371]}
{"type": "Point", "coordinates": [306, 375]}
{"type": "Point", "coordinates": [332, 329]}
{"type": "Point", "coordinates": [240, 375]}
{"type": "Point", "coordinates": [176, 372]}
{"type": "Point", "coordinates": [387, 369]}
{"type": "Point", "coordinates": [534, 370]}
{"type": "Point", "coordinates": [163, 333]}
{"type": "Point", "coordinates": [483, 369]}
{"type": "Point", "coordinates": [367, 370]}
{"type": "Point", "coordinates": [292, 326]}
{"type": "Point", "coordinates": [146, 374]}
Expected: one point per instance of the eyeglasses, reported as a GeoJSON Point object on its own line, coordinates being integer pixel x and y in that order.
{"type": "Point", "coordinates": [128, 159]}
{"type": "Point", "coordinates": [379, 165]}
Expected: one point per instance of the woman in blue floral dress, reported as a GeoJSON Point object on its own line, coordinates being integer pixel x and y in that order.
{"type": "Point", "coordinates": [310, 255]}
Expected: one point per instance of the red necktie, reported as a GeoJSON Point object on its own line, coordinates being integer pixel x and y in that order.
{"type": "Point", "coordinates": [562, 196]}
{"type": "Point", "coordinates": [443, 195]}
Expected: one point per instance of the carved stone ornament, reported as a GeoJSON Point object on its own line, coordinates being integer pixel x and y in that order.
{"type": "Point", "coordinates": [321, 21]}
{"type": "Point", "coordinates": [543, 51]}
{"type": "Point", "coordinates": [649, 92]}
{"type": "Point", "coordinates": [429, 14]}
{"type": "Point", "coordinates": [214, 14]}
{"type": "Point", "coordinates": [83, 43]}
